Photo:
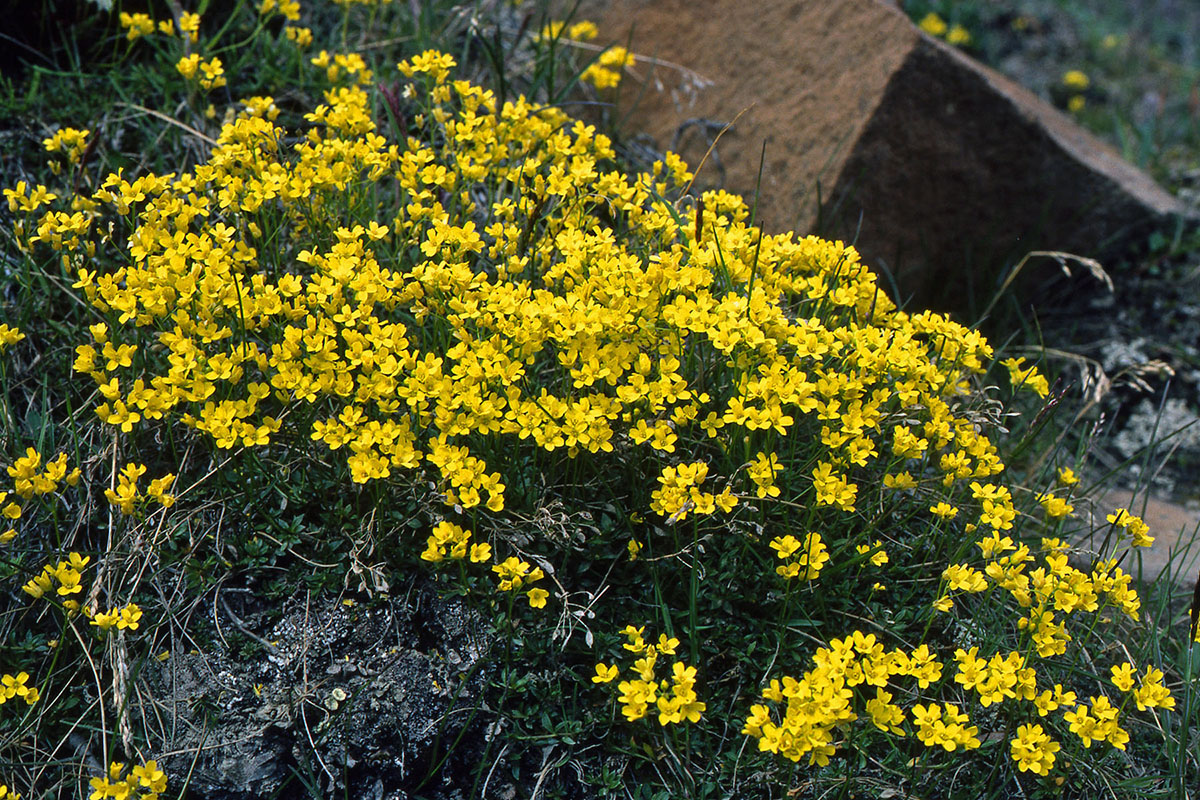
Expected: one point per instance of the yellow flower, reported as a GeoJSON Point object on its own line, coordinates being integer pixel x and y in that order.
{"type": "Point", "coordinates": [946, 727]}
{"type": "Point", "coordinates": [150, 777]}
{"type": "Point", "coordinates": [1075, 79]}
{"type": "Point", "coordinates": [1151, 693]}
{"type": "Point", "coordinates": [583, 31]}
{"type": "Point", "coordinates": [963, 578]}
{"type": "Point", "coordinates": [1055, 507]}
{"type": "Point", "coordinates": [813, 555]}
{"type": "Point", "coordinates": [16, 686]}
{"type": "Point", "coordinates": [879, 556]}
{"type": "Point", "coordinates": [189, 23]}
{"type": "Point", "coordinates": [943, 510]}
{"type": "Point", "coordinates": [666, 644]}
{"type": "Point", "coordinates": [1022, 377]}
{"type": "Point", "coordinates": [884, 715]}
{"type": "Point", "coordinates": [958, 35]}
{"type": "Point", "coordinates": [606, 71]}
{"type": "Point", "coordinates": [605, 673]}
{"type": "Point", "coordinates": [784, 546]}
{"type": "Point", "coordinates": [513, 573]}
{"type": "Point", "coordinates": [302, 37]}
{"type": "Point", "coordinates": [634, 547]}
{"type": "Point", "coordinates": [1033, 750]}
{"type": "Point", "coordinates": [188, 65]}
{"type": "Point", "coordinates": [8, 336]}
{"type": "Point", "coordinates": [899, 481]}
{"type": "Point", "coordinates": [129, 617]}
{"type": "Point", "coordinates": [1138, 530]}
{"type": "Point", "coordinates": [1123, 677]}
{"type": "Point", "coordinates": [932, 24]}
{"type": "Point", "coordinates": [105, 620]}
{"type": "Point", "coordinates": [214, 74]}
{"type": "Point", "coordinates": [136, 25]}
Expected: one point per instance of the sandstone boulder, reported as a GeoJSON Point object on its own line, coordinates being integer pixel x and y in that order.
{"type": "Point", "coordinates": [941, 170]}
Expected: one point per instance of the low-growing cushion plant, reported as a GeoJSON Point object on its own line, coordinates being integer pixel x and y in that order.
{"type": "Point", "coordinates": [739, 526]}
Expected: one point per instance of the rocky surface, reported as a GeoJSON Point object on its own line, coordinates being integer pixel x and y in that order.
{"type": "Point", "coordinates": [941, 170]}
{"type": "Point", "coordinates": [335, 698]}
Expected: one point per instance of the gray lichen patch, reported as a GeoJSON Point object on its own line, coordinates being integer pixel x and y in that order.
{"type": "Point", "coordinates": [335, 698]}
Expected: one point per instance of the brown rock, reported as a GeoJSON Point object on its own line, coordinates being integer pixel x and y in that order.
{"type": "Point", "coordinates": [941, 170]}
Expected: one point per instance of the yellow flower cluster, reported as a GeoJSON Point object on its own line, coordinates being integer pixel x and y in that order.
{"type": "Point", "coordinates": [21, 198]}
{"type": "Point", "coordinates": [1033, 750]}
{"type": "Point", "coordinates": [944, 726]}
{"type": "Point", "coordinates": [513, 573]}
{"type": "Point", "coordinates": [964, 578]}
{"type": "Point", "coordinates": [1135, 527]}
{"type": "Point", "coordinates": [679, 494]}
{"type": "Point", "coordinates": [302, 37]}
{"type": "Point", "coordinates": [997, 678]}
{"type": "Point", "coordinates": [954, 34]}
{"type": "Point", "coordinates": [583, 30]}
{"type": "Point", "coordinates": [337, 64]}
{"type": "Point", "coordinates": [822, 700]}
{"type": "Point", "coordinates": [290, 9]}
{"type": "Point", "coordinates": [488, 310]}
{"type": "Point", "coordinates": [762, 470]}
{"type": "Point", "coordinates": [417, 359]}
{"type": "Point", "coordinates": [833, 489]}
{"type": "Point", "coordinates": [1149, 691]}
{"type": "Point", "coordinates": [448, 540]}
{"type": "Point", "coordinates": [67, 574]}
{"type": "Point", "coordinates": [8, 794]}
{"type": "Point", "coordinates": [136, 25]}
{"type": "Point", "coordinates": [802, 559]}
{"type": "Point", "coordinates": [125, 618]}
{"type": "Point", "coordinates": [17, 686]}
{"type": "Point", "coordinates": [1055, 507]}
{"type": "Point", "coordinates": [606, 71]}
{"type": "Point", "coordinates": [71, 142]}
{"type": "Point", "coordinates": [211, 73]}
{"type": "Point", "coordinates": [1097, 722]}
{"type": "Point", "coordinates": [1053, 588]}
{"type": "Point", "coordinates": [144, 782]}
{"type": "Point", "coordinates": [463, 476]}
{"type": "Point", "coordinates": [1023, 377]}
{"type": "Point", "coordinates": [675, 700]}
{"type": "Point", "coordinates": [189, 24]}
{"type": "Point", "coordinates": [30, 479]}
{"type": "Point", "coordinates": [127, 497]}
